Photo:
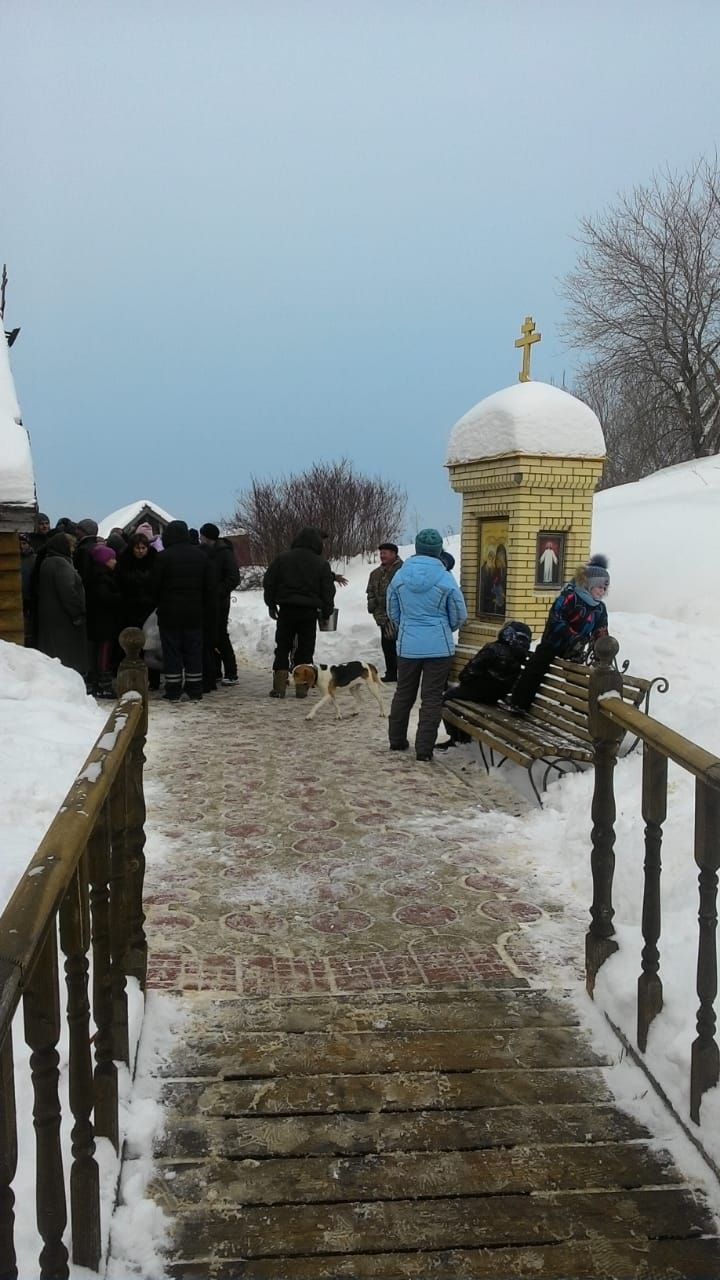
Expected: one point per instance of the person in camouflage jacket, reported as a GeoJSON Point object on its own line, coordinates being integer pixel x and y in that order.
{"type": "Point", "coordinates": [377, 586]}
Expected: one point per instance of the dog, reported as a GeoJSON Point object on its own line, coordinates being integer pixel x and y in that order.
{"type": "Point", "coordinates": [347, 675]}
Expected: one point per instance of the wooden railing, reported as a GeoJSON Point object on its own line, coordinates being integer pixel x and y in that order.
{"type": "Point", "coordinates": [85, 884]}
{"type": "Point", "coordinates": [610, 719]}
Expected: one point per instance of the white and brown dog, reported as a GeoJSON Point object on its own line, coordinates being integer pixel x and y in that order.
{"type": "Point", "coordinates": [347, 675]}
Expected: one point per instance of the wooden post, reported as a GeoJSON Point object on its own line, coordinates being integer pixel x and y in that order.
{"type": "Point", "coordinates": [705, 1059]}
{"type": "Point", "coordinates": [84, 1175]}
{"type": "Point", "coordinates": [105, 1083]}
{"type": "Point", "coordinates": [12, 627]}
{"type": "Point", "coordinates": [654, 811]}
{"type": "Point", "coordinates": [41, 1007]}
{"type": "Point", "coordinates": [8, 1160]}
{"type": "Point", "coordinates": [132, 677]}
{"type": "Point", "coordinates": [599, 940]}
{"type": "Point", "coordinates": [118, 917]}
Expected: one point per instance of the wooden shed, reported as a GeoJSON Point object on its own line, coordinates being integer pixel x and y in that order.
{"type": "Point", "coordinates": [18, 506]}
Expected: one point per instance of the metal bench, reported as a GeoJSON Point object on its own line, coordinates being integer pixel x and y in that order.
{"type": "Point", "coordinates": [554, 733]}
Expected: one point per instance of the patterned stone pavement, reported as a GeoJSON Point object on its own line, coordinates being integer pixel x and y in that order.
{"type": "Point", "coordinates": [287, 857]}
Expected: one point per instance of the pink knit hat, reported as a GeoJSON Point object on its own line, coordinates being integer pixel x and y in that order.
{"type": "Point", "coordinates": [103, 554]}
{"type": "Point", "coordinates": [147, 529]}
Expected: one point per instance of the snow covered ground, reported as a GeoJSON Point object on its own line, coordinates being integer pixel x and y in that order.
{"type": "Point", "coordinates": [664, 606]}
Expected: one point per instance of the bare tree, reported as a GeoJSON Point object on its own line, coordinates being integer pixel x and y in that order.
{"type": "Point", "coordinates": [356, 512]}
{"type": "Point", "coordinates": [644, 303]}
{"type": "Point", "coordinates": [642, 433]}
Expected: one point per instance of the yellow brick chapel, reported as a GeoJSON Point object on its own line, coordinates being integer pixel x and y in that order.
{"type": "Point", "coordinates": [527, 461]}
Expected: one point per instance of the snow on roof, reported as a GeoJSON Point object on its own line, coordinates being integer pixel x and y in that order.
{"type": "Point", "coordinates": [17, 482]}
{"type": "Point", "coordinates": [529, 417]}
{"type": "Point", "coordinates": [125, 516]}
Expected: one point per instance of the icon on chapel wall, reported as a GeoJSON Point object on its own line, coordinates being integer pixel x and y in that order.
{"type": "Point", "coordinates": [549, 559]}
{"type": "Point", "coordinates": [492, 574]}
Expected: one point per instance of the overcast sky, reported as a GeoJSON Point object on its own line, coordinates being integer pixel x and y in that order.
{"type": "Point", "coordinates": [246, 235]}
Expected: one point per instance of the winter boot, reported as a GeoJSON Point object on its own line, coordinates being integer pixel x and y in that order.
{"type": "Point", "coordinates": [280, 679]}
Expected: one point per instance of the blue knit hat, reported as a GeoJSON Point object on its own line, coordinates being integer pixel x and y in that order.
{"type": "Point", "coordinates": [428, 543]}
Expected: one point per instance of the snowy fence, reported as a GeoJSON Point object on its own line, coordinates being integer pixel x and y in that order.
{"type": "Point", "coordinates": [610, 719]}
{"type": "Point", "coordinates": [84, 883]}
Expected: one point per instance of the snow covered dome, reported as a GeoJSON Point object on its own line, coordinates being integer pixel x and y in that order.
{"type": "Point", "coordinates": [529, 417]}
{"type": "Point", "coordinates": [17, 482]}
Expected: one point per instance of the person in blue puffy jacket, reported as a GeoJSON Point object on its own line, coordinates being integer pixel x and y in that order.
{"type": "Point", "coordinates": [426, 605]}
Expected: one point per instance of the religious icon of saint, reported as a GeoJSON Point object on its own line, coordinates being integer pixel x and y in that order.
{"type": "Point", "coordinates": [548, 562]}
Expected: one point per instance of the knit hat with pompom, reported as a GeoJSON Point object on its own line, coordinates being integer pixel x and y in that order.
{"type": "Point", "coordinates": [596, 572]}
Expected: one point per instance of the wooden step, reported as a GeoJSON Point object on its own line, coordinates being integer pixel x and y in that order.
{"type": "Point", "coordinates": [631, 1259]}
{"type": "Point", "coordinates": [401, 1091]}
{"type": "Point", "coordinates": [453, 1130]}
{"type": "Point", "coordinates": [250, 1231]}
{"type": "Point", "coordinates": [266, 1053]}
{"type": "Point", "coordinates": [321, 1179]}
{"type": "Point", "coordinates": [451, 1010]}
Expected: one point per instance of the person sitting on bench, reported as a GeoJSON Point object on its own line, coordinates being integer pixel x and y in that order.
{"type": "Point", "coordinates": [490, 675]}
{"type": "Point", "coordinates": [576, 616]}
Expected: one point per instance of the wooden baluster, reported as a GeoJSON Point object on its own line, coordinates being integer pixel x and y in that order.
{"type": "Point", "coordinates": [133, 676]}
{"type": "Point", "coordinates": [654, 812]}
{"type": "Point", "coordinates": [41, 1007]}
{"type": "Point", "coordinates": [105, 1085]}
{"type": "Point", "coordinates": [118, 916]}
{"type": "Point", "coordinates": [84, 1175]}
{"type": "Point", "coordinates": [8, 1160]}
{"type": "Point", "coordinates": [705, 1059]}
{"type": "Point", "coordinates": [599, 940]}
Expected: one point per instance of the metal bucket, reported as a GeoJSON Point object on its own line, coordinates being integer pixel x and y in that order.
{"type": "Point", "coordinates": [329, 624]}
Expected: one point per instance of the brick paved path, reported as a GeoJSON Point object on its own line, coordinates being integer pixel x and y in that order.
{"type": "Point", "coordinates": [287, 857]}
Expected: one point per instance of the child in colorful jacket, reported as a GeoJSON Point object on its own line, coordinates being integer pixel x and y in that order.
{"type": "Point", "coordinates": [576, 616]}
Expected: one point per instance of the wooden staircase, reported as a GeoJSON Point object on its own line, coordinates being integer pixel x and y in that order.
{"type": "Point", "coordinates": [450, 1135]}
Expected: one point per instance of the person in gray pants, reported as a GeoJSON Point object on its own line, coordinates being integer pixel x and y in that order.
{"type": "Point", "coordinates": [427, 606]}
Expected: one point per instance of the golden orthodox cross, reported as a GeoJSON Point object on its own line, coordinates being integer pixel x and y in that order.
{"type": "Point", "coordinates": [529, 336]}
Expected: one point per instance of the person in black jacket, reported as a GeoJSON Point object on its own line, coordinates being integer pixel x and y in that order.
{"type": "Point", "coordinates": [227, 576]}
{"type": "Point", "coordinates": [135, 578]}
{"type": "Point", "coordinates": [298, 588]}
{"type": "Point", "coordinates": [490, 675]}
{"type": "Point", "coordinates": [182, 585]}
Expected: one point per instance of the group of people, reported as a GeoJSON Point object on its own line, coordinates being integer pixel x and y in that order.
{"type": "Point", "coordinates": [417, 606]}
{"type": "Point", "coordinates": [80, 591]}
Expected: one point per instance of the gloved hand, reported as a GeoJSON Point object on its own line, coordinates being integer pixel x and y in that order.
{"type": "Point", "coordinates": [389, 629]}
{"type": "Point", "coordinates": [272, 610]}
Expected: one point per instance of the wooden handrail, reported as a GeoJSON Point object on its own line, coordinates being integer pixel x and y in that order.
{"type": "Point", "coordinates": [696, 760]}
{"type": "Point", "coordinates": [34, 904]}
{"type": "Point", "coordinates": [82, 887]}
{"type": "Point", "coordinates": [609, 719]}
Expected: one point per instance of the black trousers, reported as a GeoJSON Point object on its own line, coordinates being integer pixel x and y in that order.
{"type": "Point", "coordinates": [389, 648]}
{"type": "Point", "coordinates": [224, 652]}
{"type": "Point", "coordinates": [531, 677]}
{"type": "Point", "coordinates": [295, 635]}
{"type": "Point", "coordinates": [433, 672]}
{"type": "Point", "coordinates": [182, 651]}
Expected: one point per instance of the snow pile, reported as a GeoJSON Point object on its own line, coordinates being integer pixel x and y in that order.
{"type": "Point", "coordinates": [17, 482]}
{"type": "Point", "coordinates": [49, 725]}
{"type": "Point", "coordinates": [661, 536]}
{"type": "Point", "coordinates": [529, 417]}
